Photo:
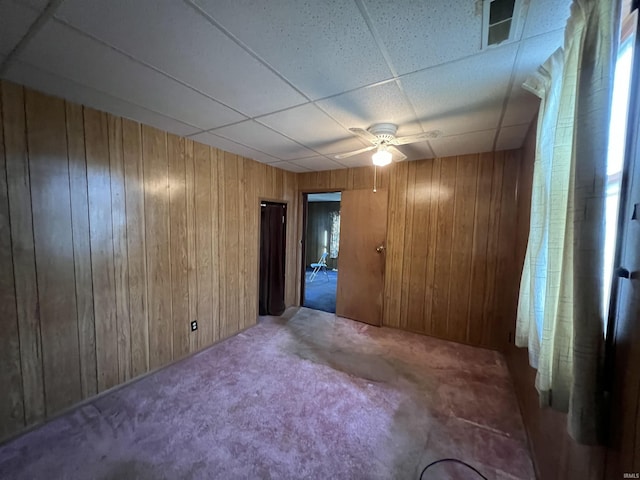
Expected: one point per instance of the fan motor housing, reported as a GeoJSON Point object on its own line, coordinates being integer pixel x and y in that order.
{"type": "Point", "coordinates": [384, 131]}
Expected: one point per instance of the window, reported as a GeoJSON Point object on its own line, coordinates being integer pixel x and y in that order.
{"type": "Point", "coordinates": [615, 159]}
{"type": "Point", "coordinates": [335, 235]}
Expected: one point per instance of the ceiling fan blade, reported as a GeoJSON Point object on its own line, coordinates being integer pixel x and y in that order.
{"type": "Point", "coordinates": [420, 137]}
{"type": "Point", "coordinates": [355, 152]}
{"type": "Point", "coordinates": [367, 135]}
{"type": "Point", "coordinates": [398, 156]}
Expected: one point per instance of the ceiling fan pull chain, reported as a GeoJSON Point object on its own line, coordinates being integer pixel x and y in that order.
{"type": "Point", "coordinates": [375, 177]}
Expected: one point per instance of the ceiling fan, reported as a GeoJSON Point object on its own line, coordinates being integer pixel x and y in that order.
{"type": "Point", "coordinates": [382, 137]}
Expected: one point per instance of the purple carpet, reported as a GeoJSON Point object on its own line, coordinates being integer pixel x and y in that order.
{"type": "Point", "coordinates": [314, 397]}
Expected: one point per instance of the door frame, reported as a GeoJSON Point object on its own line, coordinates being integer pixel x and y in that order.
{"type": "Point", "coordinates": [259, 244]}
{"type": "Point", "coordinates": [304, 202]}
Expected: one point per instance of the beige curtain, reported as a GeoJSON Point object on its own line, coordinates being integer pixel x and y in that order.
{"type": "Point", "coordinates": [559, 308]}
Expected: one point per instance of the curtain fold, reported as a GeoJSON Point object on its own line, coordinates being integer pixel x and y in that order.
{"type": "Point", "coordinates": [559, 309]}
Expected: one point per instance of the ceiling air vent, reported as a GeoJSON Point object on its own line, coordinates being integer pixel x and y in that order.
{"type": "Point", "coordinates": [500, 21]}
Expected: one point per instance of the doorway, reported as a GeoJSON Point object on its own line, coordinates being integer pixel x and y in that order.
{"type": "Point", "coordinates": [321, 250]}
{"type": "Point", "coordinates": [273, 227]}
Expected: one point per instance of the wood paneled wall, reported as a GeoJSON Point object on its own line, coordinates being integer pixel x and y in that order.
{"type": "Point", "coordinates": [113, 237]}
{"type": "Point", "coordinates": [450, 266]}
{"type": "Point", "coordinates": [319, 221]}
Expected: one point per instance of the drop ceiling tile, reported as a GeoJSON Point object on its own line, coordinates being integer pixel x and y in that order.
{"type": "Point", "coordinates": [312, 127]}
{"type": "Point", "coordinates": [523, 105]}
{"type": "Point", "coordinates": [376, 104]}
{"type": "Point", "coordinates": [418, 35]}
{"type": "Point", "coordinates": [15, 20]}
{"type": "Point", "coordinates": [318, 163]}
{"type": "Point", "coordinates": [462, 96]}
{"type": "Point", "coordinates": [292, 167]}
{"type": "Point", "coordinates": [417, 151]}
{"type": "Point", "coordinates": [34, 4]}
{"type": "Point", "coordinates": [257, 136]}
{"type": "Point", "coordinates": [362, 160]}
{"type": "Point", "coordinates": [511, 137]}
{"type": "Point", "coordinates": [67, 53]}
{"type": "Point", "coordinates": [344, 145]}
{"type": "Point", "coordinates": [546, 15]}
{"type": "Point", "coordinates": [233, 147]}
{"type": "Point", "coordinates": [475, 142]}
{"type": "Point", "coordinates": [40, 80]}
{"type": "Point", "coordinates": [173, 37]}
{"type": "Point", "coordinates": [323, 48]}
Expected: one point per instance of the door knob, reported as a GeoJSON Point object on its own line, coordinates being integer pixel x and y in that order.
{"type": "Point", "coordinates": [380, 248]}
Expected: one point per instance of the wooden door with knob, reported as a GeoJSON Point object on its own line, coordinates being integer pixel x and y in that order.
{"type": "Point", "coordinates": [361, 260]}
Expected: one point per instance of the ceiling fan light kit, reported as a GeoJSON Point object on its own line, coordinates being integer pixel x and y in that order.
{"type": "Point", "coordinates": [382, 137]}
{"type": "Point", "coordinates": [382, 156]}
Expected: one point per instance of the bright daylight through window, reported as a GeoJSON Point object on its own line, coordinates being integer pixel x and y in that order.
{"type": "Point", "coordinates": [615, 160]}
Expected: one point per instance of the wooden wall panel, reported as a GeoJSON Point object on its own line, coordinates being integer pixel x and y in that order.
{"type": "Point", "coordinates": [479, 256]}
{"type": "Point", "coordinates": [102, 263]}
{"type": "Point", "coordinates": [251, 209]}
{"type": "Point", "coordinates": [229, 252]}
{"type": "Point", "coordinates": [340, 178]}
{"type": "Point", "coordinates": [205, 291]}
{"type": "Point", "coordinates": [12, 402]}
{"type": "Point", "coordinates": [215, 157]}
{"type": "Point", "coordinates": [408, 253]}
{"type": "Point", "coordinates": [242, 259]}
{"type": "Point", "coordinates": [136, 246]}
{"type": "Point", "coordinates": [462, 241]}
{"type": "Point", "coordinates": [395, 241]}
{"type": "Point", "coordinates": [434, 192]}
{"type": "Point", "coordinates": [120, 255]}
{"type": "Point", "coordinates": [20, 243]}
{"type": "Point", "coordinates": [488, 313]}
{"type": "Point", "coordinates": [114, 237]}
{"type": "Point", "coordinates": [509, 267]}
{"type": "Point", "coordinates": [50, 204]}
{"type": "Point", "coordinates": [419, 237]}
{"type": "Point", "coordinates": [192, 272]}
{"type": "Point", "coordinates": [444, 248]}
{"type": "Point", "coordinates": [156, 202]}
{"type": "Point", "coordinates": [448, 250]}
{"type": "Point", "coordinates": [179, 245]}
{"type": "Point", "coordinates": [294, 251]}
{"type": "Point", "coordinates": [81, 249]}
